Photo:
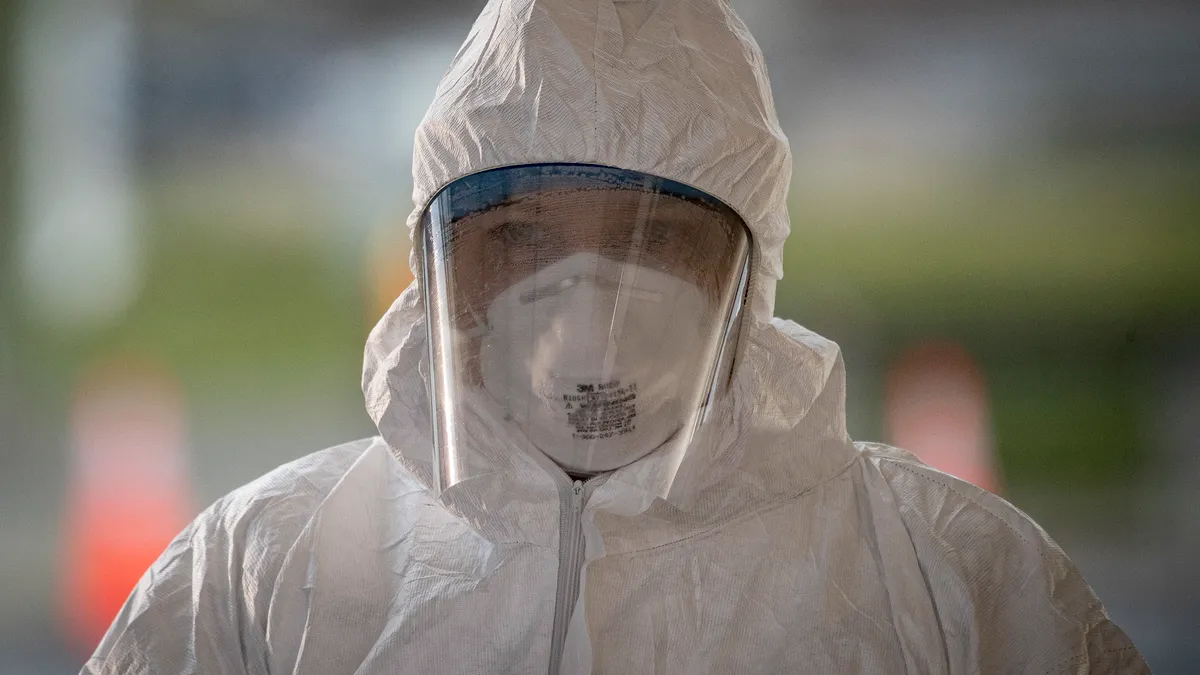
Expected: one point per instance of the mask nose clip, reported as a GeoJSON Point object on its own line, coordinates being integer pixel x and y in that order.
{"type": "Point", "coordinates": [559, 287]}
{"type": "Point", "coordinates": [549, 290]}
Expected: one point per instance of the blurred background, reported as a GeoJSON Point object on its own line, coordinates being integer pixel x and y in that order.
{"type": "Point", "coordinates": [996, 213]}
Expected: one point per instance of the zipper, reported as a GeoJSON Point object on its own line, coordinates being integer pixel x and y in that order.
{"type": "Point", "coordinates": [570, 562]}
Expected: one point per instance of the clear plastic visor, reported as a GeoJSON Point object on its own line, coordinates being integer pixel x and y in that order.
{"type": "Point", "coordinates": [585, 313]}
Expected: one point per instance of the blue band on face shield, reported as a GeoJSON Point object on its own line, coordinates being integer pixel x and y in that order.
{"type": "Point", "coordinates": [496, 187]}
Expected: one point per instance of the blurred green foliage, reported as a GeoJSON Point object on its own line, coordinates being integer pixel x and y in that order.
{"type": "Point", "coordinates": [256, 311]}
{"type": "Point", "coordinates": [1060, 253]}
{"type": "Point", "coordinates": [240, 319]}
{"type": "Point", "coordinates": [1063, 280]}
{"type": "Point", "coordinates": [1069, 423]}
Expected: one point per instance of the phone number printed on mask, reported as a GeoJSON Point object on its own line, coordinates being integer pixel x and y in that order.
{"type": "Point", "coordinates": [601, 410]}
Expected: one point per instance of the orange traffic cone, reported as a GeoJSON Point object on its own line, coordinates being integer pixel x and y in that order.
{"type": "Point", "coordinates": [937, 407]}
{"type": "Point", "coordinates": [129, 493]}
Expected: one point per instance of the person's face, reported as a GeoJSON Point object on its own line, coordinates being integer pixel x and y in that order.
{"type": "Point", "coordinates": [592, 318]}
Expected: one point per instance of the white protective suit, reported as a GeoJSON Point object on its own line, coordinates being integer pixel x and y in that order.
{"type": "Point", "coordinates": [784, 548]}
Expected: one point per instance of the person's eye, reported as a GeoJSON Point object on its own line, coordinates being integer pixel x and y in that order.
{"type": "Point", "coordinates": [516, 233]}
{"type": "Point", "coordinates": [659, 231]}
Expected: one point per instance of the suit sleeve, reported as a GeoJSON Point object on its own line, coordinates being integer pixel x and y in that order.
{"type": "Point", "coordinates": [1007, 598]}
{"type": "Point", "coordinates": [188, 613]}
{"type": "Point", "coordinates": [203, 606]}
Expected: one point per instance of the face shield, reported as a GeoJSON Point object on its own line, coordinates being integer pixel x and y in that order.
{"type": "Point", "coordinates": [585, 313]}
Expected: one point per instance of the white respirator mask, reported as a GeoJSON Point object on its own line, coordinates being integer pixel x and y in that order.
{"type": "Point", "coordinates": [589, 356]}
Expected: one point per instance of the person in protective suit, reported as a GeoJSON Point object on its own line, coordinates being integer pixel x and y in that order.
{"type": "Point", "coordinates": [598, 451]}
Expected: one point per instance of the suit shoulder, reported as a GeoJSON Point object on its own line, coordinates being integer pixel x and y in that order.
{"type": "Point", "coordinates": [307, 478]}
{"type": "Point", "coordinates": [232, 552]}
{"type": "Point", "coordinates": [271, 511]}
{"type": "Point", "coordinates": [995, 576]}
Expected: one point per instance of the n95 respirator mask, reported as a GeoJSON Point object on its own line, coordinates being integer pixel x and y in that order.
{"type": "Point", "coordinates": [589, 358]}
